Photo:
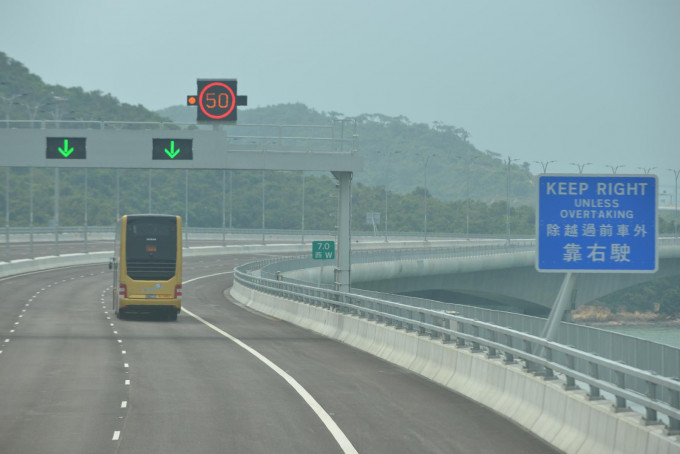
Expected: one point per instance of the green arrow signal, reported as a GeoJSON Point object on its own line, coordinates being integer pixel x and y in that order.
{"type": "Point", "coordinates": [66, 151]}
{"type": "Point", "coordinates": [172, 152]}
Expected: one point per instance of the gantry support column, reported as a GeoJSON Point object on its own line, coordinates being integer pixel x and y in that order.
{"type": "Point", "coordinates": [343, 268]}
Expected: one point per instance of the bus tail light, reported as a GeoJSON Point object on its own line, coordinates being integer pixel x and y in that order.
{"type": "Point", "coordinates": [122, 291]}
{"type": "Point", "coordinates": [178, 291]}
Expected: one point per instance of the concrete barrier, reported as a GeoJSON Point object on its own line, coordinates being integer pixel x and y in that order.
{"type": "Point", "coordinates": [566, 419]}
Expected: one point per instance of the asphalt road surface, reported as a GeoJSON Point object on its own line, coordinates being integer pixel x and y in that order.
{"type": "Point", "coordinates": [221, 379]}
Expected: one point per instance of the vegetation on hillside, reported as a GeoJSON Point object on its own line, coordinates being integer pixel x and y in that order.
{"type": "Point", "coordinates": [24, 96]}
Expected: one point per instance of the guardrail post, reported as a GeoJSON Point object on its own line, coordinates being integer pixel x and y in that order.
{"type": "Point", "coordinates": [492, 352]}
{"type": "Point", "coordinates": [620, 404]}
{"type": "Point", "coordinates": [549, 373]}
{"type": "Point", "coordinates": [529, 365]}
{"type": "Point", "coordinates": [460, 342]}
{"type": "Point", "coordinates": [594, 393]}
{"type": "Point", "coordinates": [476, 348]}
{"type": "Point", "coordinates": [620, 380]}
{"type": "Point", "coordinates": [399, 324]}
{"type": "Point", "coordinates": [447, 335]}
{"type": "Point", "coordinates": [570, 385]}
{"type": "Point", "coordinates": [673, 423]}
{"type": "Point", "coordinates": [509, 357]}
{"type": "Point", "coordinates": [421, 328]}
{"type": "Point", "coordinates": [651, 417]}
{"type": "Point", "coordinates": [409, 326]}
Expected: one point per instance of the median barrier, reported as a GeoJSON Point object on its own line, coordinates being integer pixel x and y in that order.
{"type": "Point", "coordinates": [565, 419]}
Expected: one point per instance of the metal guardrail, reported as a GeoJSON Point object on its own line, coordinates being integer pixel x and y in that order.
{"type": "Point", "coordinates": [540, 356]}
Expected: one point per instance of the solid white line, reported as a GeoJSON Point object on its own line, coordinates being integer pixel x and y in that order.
{"type": "Point", "coordinates": [330, 424]}
{"type": "Point", "coordinates": [116, 435]}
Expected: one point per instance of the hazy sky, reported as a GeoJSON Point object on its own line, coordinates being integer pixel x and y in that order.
{"type": "Point", "coordinates": [571, 81]}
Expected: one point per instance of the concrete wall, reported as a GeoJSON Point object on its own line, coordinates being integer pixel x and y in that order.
{"type": "Point", "coordinates": [510, 279]}
{"type": "Point", "coordinates": [567, 420]}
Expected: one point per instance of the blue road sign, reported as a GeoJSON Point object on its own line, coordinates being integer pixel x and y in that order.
{"type": "Point", "coordinates": [597, 223]}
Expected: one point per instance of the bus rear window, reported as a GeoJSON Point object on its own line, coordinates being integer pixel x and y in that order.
{"type": "Point", "coordinates": [151, 244]}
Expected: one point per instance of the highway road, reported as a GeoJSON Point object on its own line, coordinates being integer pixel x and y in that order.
{"type": "Point", "coordinates": [221, 379]}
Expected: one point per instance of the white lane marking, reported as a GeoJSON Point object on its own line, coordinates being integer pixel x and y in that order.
{"type": "Point", "coordinates": [123, 352]}
{"type": "Point", "coordinates": [123, 404]}
{"type": "Point", "coordinates": [330, 424]}
{"type": "Point", "coordinates": [116, 435]}
{"type": "Point", "coordinates": [126, 365]}
{"type": "Point", "coordinates": [127, 382]}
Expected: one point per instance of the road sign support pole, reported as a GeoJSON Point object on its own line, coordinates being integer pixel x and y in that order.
{"type": "Point", "coordinates": [85, 216]}
{"type": "Point", "coordinates": [562, 302]}
{"type": "Point", "coordinates": [56, 211]}
{"type": "Point", "coordinates": [342, 275]}
{"type": "Point", "coordinates": [7, 214]}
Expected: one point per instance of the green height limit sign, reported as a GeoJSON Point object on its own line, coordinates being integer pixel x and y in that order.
{"type": "Point", "coordinates": [323, 250]}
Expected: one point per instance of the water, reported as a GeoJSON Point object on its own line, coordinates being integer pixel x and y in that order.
{"type": "Point", "coordinates": [669, 335]}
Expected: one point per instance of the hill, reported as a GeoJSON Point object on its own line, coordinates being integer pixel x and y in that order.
{"type": "Point", "coordinates": [396, 151]}
{"type": "Point", "coordinates": [24, 96]}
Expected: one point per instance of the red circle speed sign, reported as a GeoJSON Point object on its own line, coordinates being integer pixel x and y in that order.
{"type": "Point", "coordinates": [217, 100]}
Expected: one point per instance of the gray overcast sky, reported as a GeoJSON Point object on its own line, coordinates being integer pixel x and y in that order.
{"type": "Point", "coordinates": [572, 81]}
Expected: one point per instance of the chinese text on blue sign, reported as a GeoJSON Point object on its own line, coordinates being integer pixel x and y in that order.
{"type": "Point", "coordinates": [597, 223]}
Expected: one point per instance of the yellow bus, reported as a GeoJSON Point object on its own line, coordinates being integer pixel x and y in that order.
{"type": "Point", "coordinates": [147, 265]}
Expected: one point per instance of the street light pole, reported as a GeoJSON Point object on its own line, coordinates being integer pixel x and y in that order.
{"type": "Point", "coordinates": [388, 154]}
{"type": "Point", "coordinates": [507, 200]}
{"type": "Point", "coordinates": [615, 168]}
{"type": "Point", "coordinates": [427, 160]}
{"type": "Point", "coordinates": [544, 164]}
{"type": "Point", "coordinates": [676, 172]}
{"type": "Point", "coordinates": [303, 208]}
{"type": "Point", "coordinates": [647, 170]}
{"type": "Point", "coordinates": [581, 166]}
{"type": "Point", "coordinates": [8, 101]}
{"type": "Point", "coordinates": [467, 195]}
